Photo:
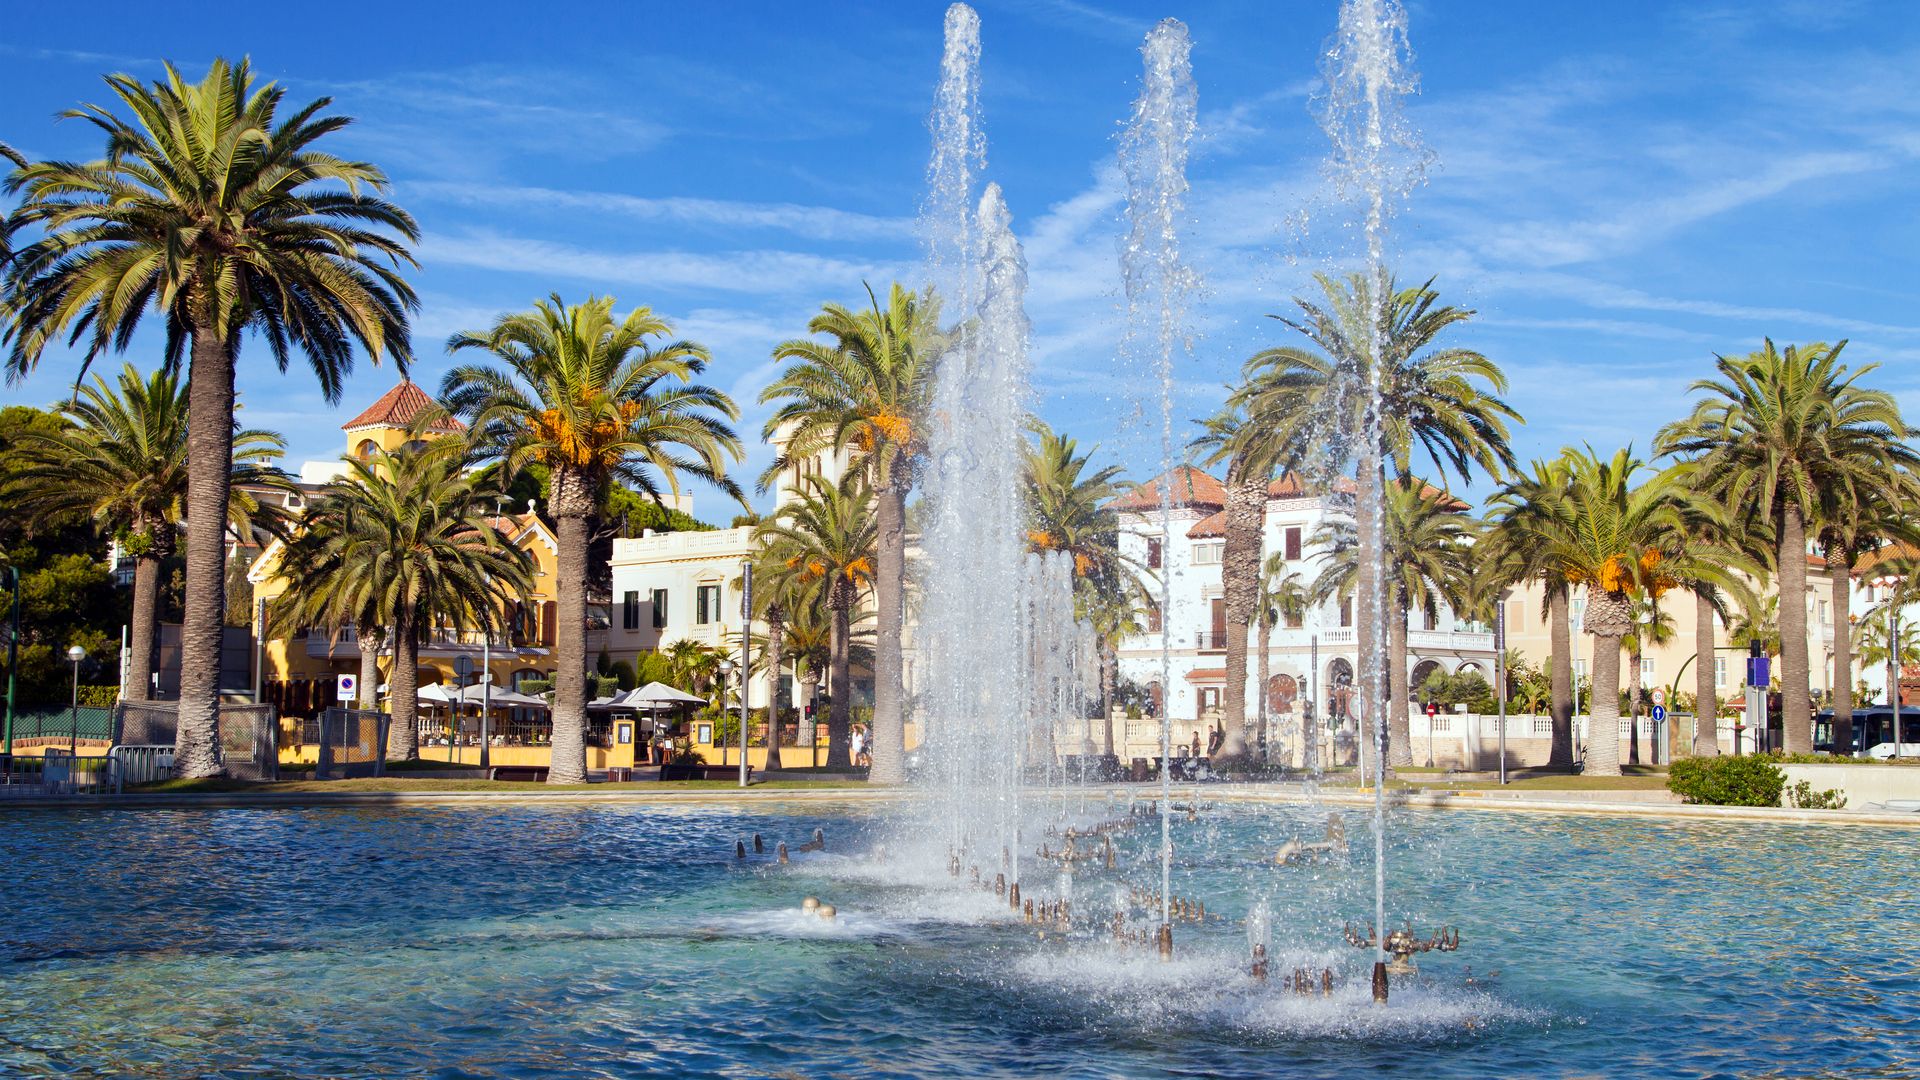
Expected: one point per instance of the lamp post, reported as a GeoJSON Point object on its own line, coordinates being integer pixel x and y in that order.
{"type": "Point", "coordinates": [13, 657]}
{"type": "Point", "coordinates": [75, 655]}
{"type": "Point", "coordinates": [746, 666]}
{"type": "Point", "coordinates": [463, 667]}
{"type": "Point", "coordinates": [1500, 673]}
{"type": "Point", "coordinates": [1892, 585]}
{"type": "Point", "coordinates": [726, 683]}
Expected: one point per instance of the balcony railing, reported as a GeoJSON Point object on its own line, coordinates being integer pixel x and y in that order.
{"type": "Point", "coordinates": [1210, 640]}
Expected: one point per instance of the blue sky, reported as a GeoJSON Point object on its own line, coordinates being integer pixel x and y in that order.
{"type": "Point", "coordinates": [1621, 190]}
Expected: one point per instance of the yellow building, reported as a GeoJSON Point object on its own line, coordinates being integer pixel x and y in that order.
{"type": "Point", "coordinates": [301, 674]}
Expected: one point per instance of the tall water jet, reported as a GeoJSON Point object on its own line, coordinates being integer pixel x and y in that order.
{"type": "Point", "coordinates": [1375, 161]}
{"type": "Point", "coordinates": [1153, 158]}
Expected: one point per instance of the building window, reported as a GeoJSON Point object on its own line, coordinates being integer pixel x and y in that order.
{"type": "Point", "coordinates": [1646, 667]}
{"type": "Point", "coordinates": [1208, 554]}
{"type": "Point", "coordinates": [1293, 543]}
{"type": "Point", "coordinates": [1295, 619]}
{"type": "Point", "coordinates": [1153, 554]}
{"type": "Point", "coordinates": [659, 609]}
{"type": "Point", "coordinates": [1346, 611]}
{"type": "Point", "coordinates": [1432, 619]}
{"type": "Point", "coordinates": [706, 604]}
{"type": "Point", "coordinates": [1720, 673]}
{"type": "Point", "coordinates": [630, 611]}
{"type": "Point", "coordinates": [1153, 618]}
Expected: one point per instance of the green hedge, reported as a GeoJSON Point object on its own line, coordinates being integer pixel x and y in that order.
{"type": "Point", "coordinates": [1748, 780]}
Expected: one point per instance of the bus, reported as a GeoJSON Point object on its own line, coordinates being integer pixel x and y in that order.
{"type": "Point", "coordinates": [1872, 727]}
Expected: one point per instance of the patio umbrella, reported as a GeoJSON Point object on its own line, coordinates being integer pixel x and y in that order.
{"type": "Point", "coordinates": [658, 695]}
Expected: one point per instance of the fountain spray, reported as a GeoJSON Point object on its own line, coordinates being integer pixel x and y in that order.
{"type": "Point", "coordinates": [1376, 158]}
{"type": "Point", "coordinates": [1153, 158]}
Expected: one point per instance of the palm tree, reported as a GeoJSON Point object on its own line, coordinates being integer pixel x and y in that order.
{"type": "Point", "coordinates": [1776, 430]}
{"type": "Point", "coordinates": [1115, 617]}
{"type": "Point", "coordinates": [1282, 596]}
{"type": "Point", "coordinates": [222, 217]}
{"type": "Point", "coordinates": [1067, 507]}
{"type": "Point", "coordinates": [1426, 549]}
{"type": "Point", "coordinates": [867, 390]}
{"type": "Point", "coordinates": [1316, 401]}
{"type": "Point", "coordinates": [403, 540]}
{"type": "Point", "coordinates": [123, 462]}
{"type": "Point", "coordinates": [826, 537]}
{"type": "Point", "coordinates": [692, 663]}
{"type": "Point", "coordinates": [1652, 628]}
{"type": "Point", "coordinates": [1252, 460]}
{"type": "Point", "coordinates": [1853, 522]}
{"type": "Point", "coordinates": [592, 400]}
{"type": "Point", "coordinates": [8, 153]}
{"type": "Point", "coordinates": [1519, 515]}
{"type": "Point", "coordinates": [1623, 544]}
{"type": "Point", "coordinates": [1758, 623]}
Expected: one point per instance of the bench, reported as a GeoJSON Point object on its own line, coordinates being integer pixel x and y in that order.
{"type": "Point", "coordinates": [704, 772]}
{"type": "Point", "coordinates": [528, 774]}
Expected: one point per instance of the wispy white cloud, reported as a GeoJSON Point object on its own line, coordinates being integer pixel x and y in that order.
{"type": "Point", "coordinates": [812, 222]}
{"type": "Point", "coordinates": [773, 273]}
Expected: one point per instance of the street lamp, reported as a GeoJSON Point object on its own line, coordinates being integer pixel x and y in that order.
{"type": "Point", "coordinates": [726, 681]}
{"type": "Point", "coordinates": [75, 655]}
{"type": "Point", "coordinates": [1892, 585]}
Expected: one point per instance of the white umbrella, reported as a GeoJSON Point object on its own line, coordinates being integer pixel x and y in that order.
{"type": "Point", "coordinates": [659, 694]}
{"type": "Point", "coordinates": [436, 693]}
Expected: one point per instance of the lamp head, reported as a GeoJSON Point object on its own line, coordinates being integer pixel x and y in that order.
{"type": "Point", "coordinates": [76, 654]}
{"type": "Point", "coordinates": [726, 668]}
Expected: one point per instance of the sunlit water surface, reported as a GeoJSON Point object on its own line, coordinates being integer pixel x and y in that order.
{"type": "Point", "coordinates": [627, 941]}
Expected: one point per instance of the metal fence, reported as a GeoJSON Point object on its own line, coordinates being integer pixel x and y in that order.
{"type": "Point", "coordinates": [63, 773]}
{"type": "Point", "coordinates": [353, 742]}
{"type": "Point", "coordinates": [249, 735]}
{"type": "Point", "coordinates": [63, 724]}
{"type": "Point", "coordinates": [144, 764]}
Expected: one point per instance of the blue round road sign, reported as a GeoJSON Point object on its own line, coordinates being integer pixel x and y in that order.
{"type": "Point", "coordinates": [1659, 713]}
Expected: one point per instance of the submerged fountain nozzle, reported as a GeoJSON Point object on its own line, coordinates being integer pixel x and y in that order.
{"type": "Point", "coordinates": [758, 847]}
{"type": "Point", "coordinates": [1260, 963]}
{"type": "Point", "coordinates": [739, 849]}
{"type": "Point", "coordinates": [781, 851]}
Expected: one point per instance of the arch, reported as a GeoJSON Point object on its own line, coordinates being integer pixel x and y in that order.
{"type": "Point", "coordinates": [1339, 688]}
{"type": "Point", "coordinates": [1472, 667]}
{"type": "Point", "coordinates": [366, 449]}
{"type": "Point", "coordinates": [1423, 671]}
{"type": "Point", "coordinates": [1281, 692]}
{"type": "Point", "coordinates": [1157, 697]}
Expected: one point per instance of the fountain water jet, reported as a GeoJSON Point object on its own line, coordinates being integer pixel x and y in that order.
{"type": "Point", "coordinates": [1153, 158]}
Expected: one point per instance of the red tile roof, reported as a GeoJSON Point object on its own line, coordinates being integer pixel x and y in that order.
{"type": "Point", "coordinates": [1191, 487]}
{"type": "Point", "coordinates": [398, 407]}
{"type": "Point", "coordinates": [1212, 526]}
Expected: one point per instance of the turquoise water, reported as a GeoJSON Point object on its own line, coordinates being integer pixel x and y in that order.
{"type": "Point", "coordinates": [596, 940]}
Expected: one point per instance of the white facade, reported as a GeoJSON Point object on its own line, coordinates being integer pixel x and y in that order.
{"type": "Point", "coordinates": [1193, 626]}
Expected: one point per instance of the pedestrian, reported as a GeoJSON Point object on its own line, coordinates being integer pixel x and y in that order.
{"type": "Point", "coordinates": [860, 747]}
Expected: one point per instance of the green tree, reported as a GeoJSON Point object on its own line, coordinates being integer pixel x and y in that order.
{"type": "Point", "coordinates": [1622, 543]}
{"type": "Point", "coordinates": [1426, 549]}
{"type": "Point", "coordinates": [123, 462]}
{"type": "Point", "coordinates": [866, 389]}
{"type": "Point", "coordinates": [406, 539]}
{"type": "Point", "coordinates": [222, 216]}
{"type": "Point", "coordinates": [595, 402]}
{"type": "Point", "coordinates": [1438, 402]}
{"type": "Point", "coordinates": [827, 537]}
{"type": "Point", "coordinates": [1519, 516]}
{"type": "Point", "coordinates": [1775, 430]}
{"type": "Point", "coordinates": [1852, 522]}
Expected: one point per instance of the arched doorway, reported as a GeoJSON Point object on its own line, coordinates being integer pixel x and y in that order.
{"type": "Point", "coordinates": [1339, 684]}
{"type": "Point", "coordinates": [1157, 698]}
{"type": "Point", "coordinates": [1423, 671]}
{"type": "Point", "coordinates": [1281, 692]}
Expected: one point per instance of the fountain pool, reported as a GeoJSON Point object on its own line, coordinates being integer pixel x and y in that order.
{"type": "Point", "coordinates": [605, 940]}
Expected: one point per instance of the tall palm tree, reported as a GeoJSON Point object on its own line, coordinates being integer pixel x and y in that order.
{"type": "Point", "coordinates": [1438, 402]}
{"type": "Point", "coordinates": [866, 390]}
{"type": "Point", "coordinates": [595, 401]}
{"type": "Point", "coordinates": [1758, 623]}
{"type": "Point", "coordinates": [1426, 549]}
{"type": "Point", "coordinates": [1853, 522]}
{"type": "Point", "coordinates": [1282, 596]}
{"type": "Point", "coordinates": [14, 157]}
{"type": "Point", "coordinates": [405, 538]}
{"type": "Point", "coordinates": [1519, 515]}
{"type": "Point", "coordinates": [827, 537]}
{"type": "Point", "coordinates": [123, 462]}
{"type": "Point", "coordinates": [691, 662]}
{"type": "Point", "coordinates": [1622, 543]}
{"type": "Point", "coordinates": [1067, 506]}
{"type": "Point", "coordinates": [1652, 628]}
{"type": "Point", "coordinates": [223, 217]}
{"type": "Point", "coordinates": [1115, 617]}
{"type": "Point", "coordinates": [1252, 460]}
{"type": "Point", "coordinates": [1775, 430]}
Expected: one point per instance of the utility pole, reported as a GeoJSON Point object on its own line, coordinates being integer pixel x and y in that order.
{"type": "Point", "coordinates": [746, 644]}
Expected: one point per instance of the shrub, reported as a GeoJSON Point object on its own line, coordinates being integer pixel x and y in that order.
{"type": "Point", "coordinates": [1749, 780]}
{"type": "Point", "coordinates": [99, 696]}
{"type": "Point", "coordinates": [1803, 796]}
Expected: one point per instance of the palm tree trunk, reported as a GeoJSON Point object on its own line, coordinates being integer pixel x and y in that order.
{"type": "Point", "coordinates": [840, 712]}
{"type": "Point", "coordinates": [369, 641]}
{"type": "Point", "coordinates": [1706, 703]}
{"type": "Point", "coordinates": [572, 503]}
{"type": "Point", "coordinates": [1796, 706]}
{"type": "Point", "coordinates": [1400, 691]}
{"type": "Point", "coordinates": [1840, 566]}
{"type": "Point", "coordinates": [1107, 673]}
{"type": "Point", "coordinates": [146, 619]}
{"type": "Point", "coordinates": [403, 690]}
{"type": "Point", "coordinates": [1240, 587]}
{"type": "Point", "coordinates": [1560, 674]}
{"type": "Point", "coordinates": [209, 480]}
{"type": "Point", "coordinates": [1265, 673]}
{"type": "Point", "coordinates": [776, 638]}
{"type": "Point", "coordinates": [809, 692]}
{"type": "Point", "coordinates": [1633, 713]}
{"type": "Point", "coordinates": [888, 734]}
{"type": "Point", "coordinates": [1609, 615]}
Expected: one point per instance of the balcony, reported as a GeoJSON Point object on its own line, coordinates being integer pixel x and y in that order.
{"type": "Point", "coordinates": [346, 644]}
{"type": "Point", "coordinates": [1210, 640]}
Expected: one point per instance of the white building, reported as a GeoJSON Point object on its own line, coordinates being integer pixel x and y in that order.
{"type": "Point", "coordinates": [1194, 625]}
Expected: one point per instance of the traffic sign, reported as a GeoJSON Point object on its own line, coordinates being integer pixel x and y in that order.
{"type": "Point", "coordinates": [1758, 670]}
{"type": "Point", "coordinates": [1659, 696]}
{"type": "Point", "coordinates": [347, 687]}
{"type": "Point", "coordinates": [1659, 713]}
{"type": "Point", "coordinates": [463, 667]}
